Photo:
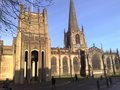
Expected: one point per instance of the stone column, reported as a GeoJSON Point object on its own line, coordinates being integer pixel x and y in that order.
{"type": "Point", "coordinates": [43, 67]}
{"type": "Point", "coordinates": [29, 65]}
{"type": "Point", "coordinates": [22, 66]}
{"type": "Point", "coordinates": [18, 59]}
{"type": "Point", "coordinates": [22, 60]}
{"type": "Point", "coordinates": [59, 62]}
{"type": "Point", "coordinates": [113, 66]}
{"type": "Point", "coordinates": [88, 65]}
{"type": "Point", "coordinates": [39, 69]}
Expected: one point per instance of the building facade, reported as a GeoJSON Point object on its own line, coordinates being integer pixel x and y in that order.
{"type": "Point", "coordinates": [31, 57]}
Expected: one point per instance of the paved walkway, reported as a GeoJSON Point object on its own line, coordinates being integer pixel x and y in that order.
{"type": "Point", "coordinates": [83, 84]}
{"type": "Point", "coordinates": [115, 86]}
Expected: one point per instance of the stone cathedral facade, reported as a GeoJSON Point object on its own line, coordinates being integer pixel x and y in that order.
{"type": "Point", "coordinates": [31, 57]}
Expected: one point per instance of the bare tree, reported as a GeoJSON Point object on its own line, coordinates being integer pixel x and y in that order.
{"type": "Point", "coordinates": [9, 12]}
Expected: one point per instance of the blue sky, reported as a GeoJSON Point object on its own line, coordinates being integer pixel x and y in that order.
{"type": "Point", "coordinates": [100, 18]}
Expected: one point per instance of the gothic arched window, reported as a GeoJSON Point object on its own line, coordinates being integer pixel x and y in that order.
{"type": "Point", "coordinates": [117, 63]}
{"type": "Point", "coordinates": [108, 63]}
{"type": "Point", "coordinates": [76, 65]}
{"type": "Point", "coordinates": [53, 65]}
{"type": "Point", "coordinates": [96, 64]}
{"type": "Point", "coordinates": [77, 37]}
{"type": "Point", "coordinates": [65, 65]}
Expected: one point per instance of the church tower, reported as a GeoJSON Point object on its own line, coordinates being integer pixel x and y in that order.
{"type": "Point", "coordinates": [33, 47]}
{"type": "Point", "coordinates": [74, 38]}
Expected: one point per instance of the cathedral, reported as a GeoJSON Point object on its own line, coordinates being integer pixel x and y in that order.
{"type": "Point", "coordinates": [31, 57]}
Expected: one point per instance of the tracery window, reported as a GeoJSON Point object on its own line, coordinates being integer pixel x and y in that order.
{"type": "Point", "coordinates": [65, 65]}
{"type": "Point", "coordinates": [96, 63]}
{"type": "Point", "coordinates": [108, 63]}
{"type": "Point", "coordinates": [53, 65]}
{"type": "Point", "coordinates": [117, 63]}
{"type": "Point", "coordinates": [76, 65]}
{"type": "Point", "coordinates": [77, 39]}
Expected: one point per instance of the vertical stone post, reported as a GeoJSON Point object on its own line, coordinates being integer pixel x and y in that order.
{"type": "Point", "coordinates": [59, 62]}
{"type": "Point", "coordinates": [18, 59]}
{"type": "Point", "coordinates": [43, 66]}
{"type": "Point", "coordinates": [39, 61]}
{"type": "Point", "coordinates": [113, 66]}
{"type": "Point", "coordinates": [29, 65]}
{"type": "Point", "coordinates": [22, 60]}
{"type": "Point", "coordinates": [70, 62]}
{"type": "Point", "coordinates": [104, 66]}
{"type": "Point", "coordinates": [88, 65]}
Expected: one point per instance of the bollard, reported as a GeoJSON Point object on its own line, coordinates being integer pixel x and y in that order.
{"type": "Point", "coordinates": [98, 85]}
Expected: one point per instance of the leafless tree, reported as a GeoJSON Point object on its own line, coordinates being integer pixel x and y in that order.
{"type": "Point", "coordinates": [9, 12]}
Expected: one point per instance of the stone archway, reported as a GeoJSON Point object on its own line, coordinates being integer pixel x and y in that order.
{"type": "Point", "coordinates": [34, 66]}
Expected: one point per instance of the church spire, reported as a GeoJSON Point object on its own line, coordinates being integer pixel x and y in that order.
{"type": "Point", "coordinates": [73, 26]}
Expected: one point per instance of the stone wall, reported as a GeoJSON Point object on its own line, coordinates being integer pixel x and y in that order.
{"type": "Point", "coordinates": [7, 67]}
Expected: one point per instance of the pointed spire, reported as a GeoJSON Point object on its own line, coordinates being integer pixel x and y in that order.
{"type": "Point", "coordinates": [82, 29]}
{"type": "Point", "coordinates": [93, 44]}
{"type": "Point", "coordinates": [38, 11]}
{"type": "Point", "coordinates": [22, 9]}
{"type": "Point", "coordinates": [73, 25]}
{"type": "Point", "coordinates": [117, 51]}
{"type": "Point", "coordinates": [101, 46]}
{"type": "Point", "coordinates": [110, 51]}
{"type": "Point", "coordinates": [29, 9]}
{"type": "Point", "coordinates": [39, 16]}
{"type": "Point", "coordinates": [64, 31]}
